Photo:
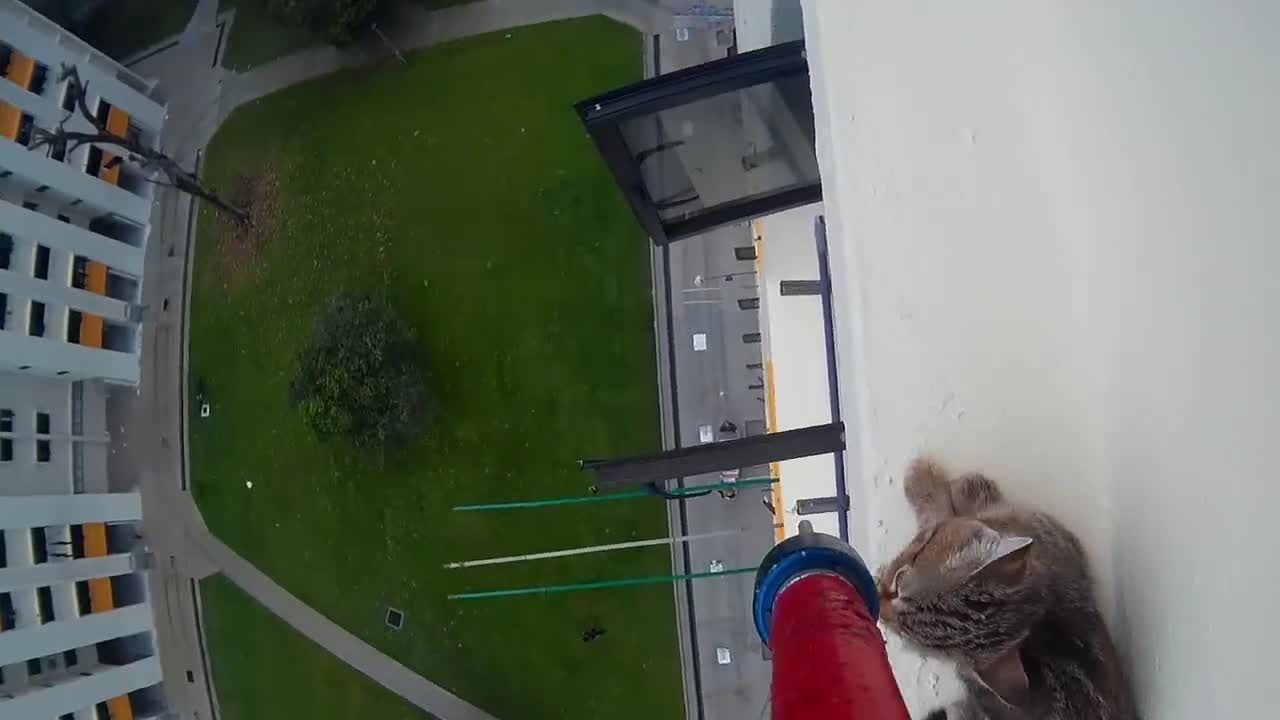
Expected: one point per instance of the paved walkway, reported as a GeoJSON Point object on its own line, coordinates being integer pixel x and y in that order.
{"type": "Point", "coordinates": [346, 647]}
{"type": "Point", "coordinates": [148, 425]}
{"type": "Point", "coordinates": [413, 27]}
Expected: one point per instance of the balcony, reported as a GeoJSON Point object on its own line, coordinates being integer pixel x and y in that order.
{"type": "Point", "coordinates": [15, 124]}
{"type": "Point", "coordinates": [21, 70]}
{"type": "Point", "coordinates": [120, 708]}
{"type": "Point", "coordinates": [101, 596]}
{"type": "Point", "coordinates": [91, 330]}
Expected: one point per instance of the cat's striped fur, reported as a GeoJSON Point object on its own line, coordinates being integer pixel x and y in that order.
{"type": "Point", "coordinates": [1006, 594]}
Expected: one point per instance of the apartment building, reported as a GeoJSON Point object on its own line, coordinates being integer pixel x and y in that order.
{"type": "Point", "coordinates": [77, 631]}
{"type": "Point", "coordinates": [73, 226]}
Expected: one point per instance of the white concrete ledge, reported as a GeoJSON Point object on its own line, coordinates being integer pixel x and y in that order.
{"type": "Point", "coordinates": [28, 511]}
{"type": "Point", "coordinates": [70, 696]}
{"type": "Point", "coordinates": [66, 571]}
{"type": "Point", "coordinates": [33, 641]}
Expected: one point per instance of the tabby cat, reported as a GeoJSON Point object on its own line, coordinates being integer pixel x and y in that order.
{"type": "Point", "coordinates": [1005, 593]}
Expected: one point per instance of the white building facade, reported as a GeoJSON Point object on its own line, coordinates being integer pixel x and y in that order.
{"type": "Point", "coordinates": [73, 228]}
{"type": "Point", "coordinates": [77, 634]}
{"type": "Point", "coordinates": [77, 631]}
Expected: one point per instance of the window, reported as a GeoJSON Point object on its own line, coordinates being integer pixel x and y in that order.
{"type": "Point", "coordinates": [42, 188]}
{"type": "Point", "coordinates": [750, 338]}
{"type": "Point", "coordinates": [33, 667]}
{"type": "Point", "coordinates": [84, 599]}
{"type": "Point", "coordinates": [6, 250]}
{"type": "Point", "coordinates": [39, 78]}
{"type": "Point", "coordinates": [745, 252]}
{"type": "Point", "coordinates": [94, 161]}
{"type": "Point", "coordinates": [24, 129]}
{"type": "Point", "coordinates": [41, 269]}
{"type": "Point", "coordinates": [749, 303]}
{"type": "Point", "coordinates": [42, 423]}
{"type": "Point", "coordinates": [74, 318]}
{"type": "Point", "coordinates": [77, 544]}
{"type": "Point", "coordinates": [70, 657]}
{"type": "Point", "coordinates": [6, 420]}
{"type": "Point", "coordinates": [79, 272]}
{"type": "Point", "coordinates": [68, 98]}
{"type": "Point", "coordinates": [39, 546]}
{"type": "Point", "coordinates": [28, 205]}
{"type": "Point", "coordinates": [4, 310]}
{"type": "Point", "coordinates": [6, 449]}
{"type": "Point", "coordinates": [6, 610]}
{"type": "Point", "coordinates": [64, 218]}
{"type": "Point", "coordinates": [44, 601]}
{"type": "Point", "coordinates": [35, 322]}
{"type": "Point", "coordinates": [639, 128]}
{"type": "Point", "coordinates": [44, 451]}
{"type": "Point", "coordinates": [5, 173]}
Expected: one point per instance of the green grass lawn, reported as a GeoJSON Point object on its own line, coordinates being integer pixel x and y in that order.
{"type": "Point", "coordinates": [126, 27]}
{"type": "Point", "coordinates": [465, 183]}
{"type": "Point", "coordinates": [255, 682]}
{"type": "Point", "coordinates": [256, 37]}
{"type": "Point", "coordinates": [437, 4]}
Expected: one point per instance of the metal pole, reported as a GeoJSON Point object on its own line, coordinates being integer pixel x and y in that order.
{"type": "Point", "coordinates": [549, 502]}
{"type": "Point", "coordinates": [387, 41]}
{"type": "Point", "coordinates": [601, 584]}
{"type": "Point", "coordinates": [590, 549]}
{"type": "Point", "coordinates": [552, 501]}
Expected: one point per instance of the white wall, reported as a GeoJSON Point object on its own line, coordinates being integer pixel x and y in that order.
{"type": "Point", "coordinates": [1055, 240]}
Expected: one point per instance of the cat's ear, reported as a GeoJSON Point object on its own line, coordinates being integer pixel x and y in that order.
{"type": "Point", "coordinates": [1007, 678]}
{"type": "Point", "coordinates": [1007, 559]}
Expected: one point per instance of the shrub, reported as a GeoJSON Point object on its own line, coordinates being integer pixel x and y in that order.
{"type": "Point", "coordinates": [336, 20]}
{"type": "Point", "coordinates": [357, 377]}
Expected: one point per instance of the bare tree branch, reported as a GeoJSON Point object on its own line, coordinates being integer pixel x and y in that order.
{"type": "Point", "coordinates": [150, 160]}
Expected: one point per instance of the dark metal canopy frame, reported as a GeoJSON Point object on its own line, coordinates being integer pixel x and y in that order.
{"type": "Point", "coordinates": [629, 127]}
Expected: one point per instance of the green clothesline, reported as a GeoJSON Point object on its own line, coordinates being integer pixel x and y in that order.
{"type": "Point", "coordinates": [598, 585]}
{"type": "Point", "coordinates": [679, 492]}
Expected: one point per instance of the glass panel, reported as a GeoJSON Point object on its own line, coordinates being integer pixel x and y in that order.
{"type": "Point", "coordinates": [740, 144]}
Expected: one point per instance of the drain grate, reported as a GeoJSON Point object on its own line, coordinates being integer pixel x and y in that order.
{"type": "Point", "coordinates": [395, 619]}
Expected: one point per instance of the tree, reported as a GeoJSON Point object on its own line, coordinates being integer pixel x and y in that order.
{"type": "Point", "coordinates": [60, 141]}
{"type": "Point", "coordinates": [336, 20]}
{"type": "Point", "coordinates": [357, 377]}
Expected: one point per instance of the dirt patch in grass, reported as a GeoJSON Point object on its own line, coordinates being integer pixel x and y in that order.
{"type": "Point", "coordinates": [240, 244]}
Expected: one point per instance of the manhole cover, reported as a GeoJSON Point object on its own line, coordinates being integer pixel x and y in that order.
{"type": "Point", "coordinates": [395, 619]}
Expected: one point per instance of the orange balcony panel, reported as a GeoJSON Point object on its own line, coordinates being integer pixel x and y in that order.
{"type": "Point", "coordinates": [109, 172]}
{"type": "Point", "coordinates": [22, 69]}
{"type": "Point", "coordinates": [120, 708]}
{"type": "Point", "coordinates": [96, 277]}
{"type": "Point", "coordinates": [101, 599]}
{"type": "Point", "coordinates": [10, 120]}
{"type": "Point", "coordinates": [95, 539]}
{"type": "Point", "coordinates": [91, 327]}
{"type": "Point", "coordinates": [117, 122]}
